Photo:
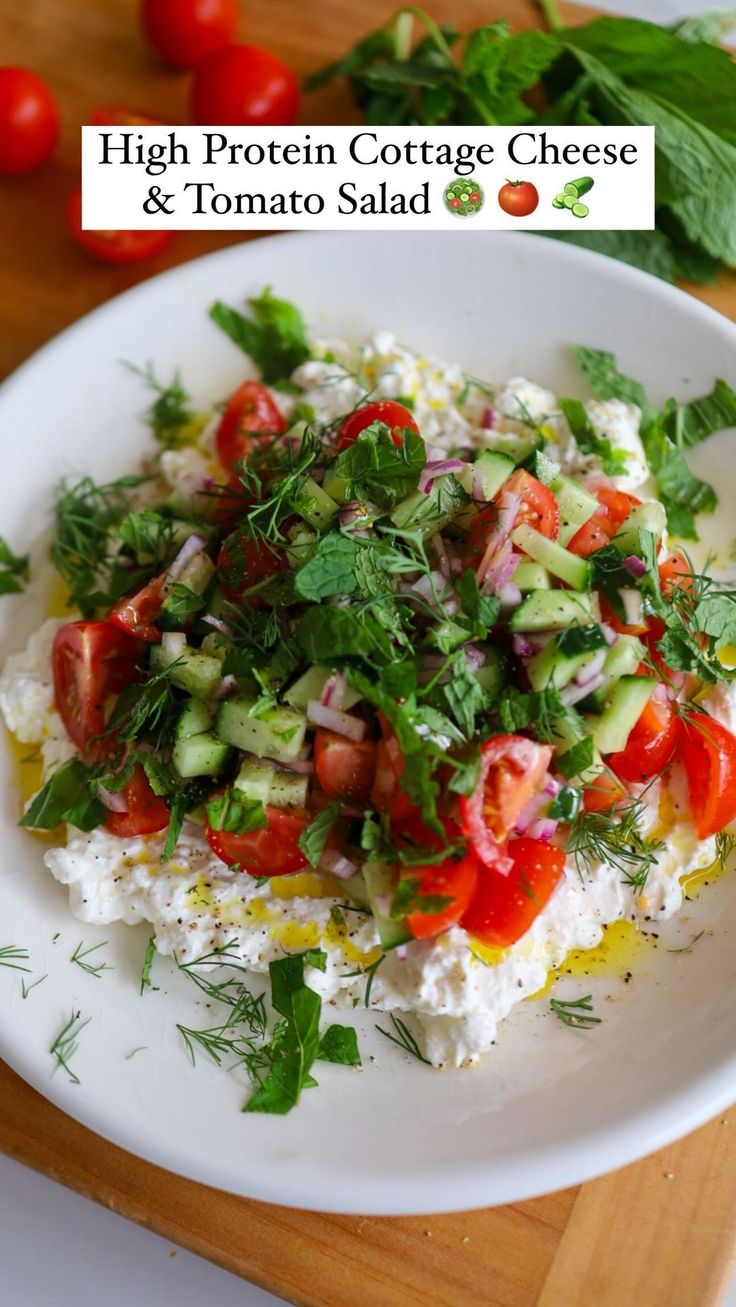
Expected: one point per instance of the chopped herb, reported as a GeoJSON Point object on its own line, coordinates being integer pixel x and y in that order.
{"type": "Point", "coordinates": [577, 758]}
{"type": "Point", "coordinates": [169, 415]}
{"type": "Point", "coordinates": [688, 947]}
{"type": "Point", "coordinates": [67, 796]}
{"type": "Point", "coordinates": [340, 1044]}
{"type": "Point", "coordinates": [613, 460]}
{"type": "Point", "coordinates": [575, 1012]}
{"type": "Point", "coordinates": [12, 957]}
{"type": "Point", "coordinates": [148, 957]}
{"type": "Point", "coordinates": [13, 570]}
{"type": "Point", "coordinates": [65, 1045]}
{"type": "Point", "coordinates": [614, 839]}
{"type": "Point", "coordinates": [235, 814]}
{"type": "Point", "coordinates": [314, 837]}
{"type": "Point", "coordinates": [81, 957]}
{"type": "Point", "coordinates": [275, 337]}
{"type": "Point", "coordinates": [404, 1038]}
{"type": "Point", "coordinates": [26, 989]}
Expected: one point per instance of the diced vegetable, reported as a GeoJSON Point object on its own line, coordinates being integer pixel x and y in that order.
{"type": "Point", "coordinates": [277, 733]}
{"type": "Point", "coordinates": [552, 610]}
{"type": "Point", "coordinates": [626, 702]}
{"type": "Point", "coordinates": [576, 572]}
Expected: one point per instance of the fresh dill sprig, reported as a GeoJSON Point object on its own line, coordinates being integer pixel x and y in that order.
{"type": "Point", "coordinates": [169, 414]}
{"type": "Point", "coordinates": [404, 1038]}
{"type": "Point", "coordinates": [140, 1049]}
{"type": "Point", "coordinates": [575, 1012]}
{"type": "Point", "coordinates": [12, 957]}
{"type": "Point", "coordinates": [82, 550]}
{"type": "Point", "coordinates": [26, 989]}
{"type": "Point", "coordinates": [65, 1045]}
{"type": "Point", "coordinates": [725, 845]}
{"type": "Point", "coordinates": [81, 957]}
{"type": "Point", "coordinates": [687, 947]}
{"type": "Point", "coordinates": [370, 972]}
{"type": "Point", "coordinates": [614, 838]}
{"type": "Point", "coordinates": [149, 955]}
{"type": "Point", "coordinates": [147, 708]}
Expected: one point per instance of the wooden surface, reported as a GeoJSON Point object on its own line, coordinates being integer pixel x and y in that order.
{"type": "Point", "coordinates": [659, 1233]}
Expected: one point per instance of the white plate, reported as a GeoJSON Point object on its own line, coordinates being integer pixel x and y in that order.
{"type": "Point", "coordinates": [550, 1106]}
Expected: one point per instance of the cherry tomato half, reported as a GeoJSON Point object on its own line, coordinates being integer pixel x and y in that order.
{"type": "Point", "coordinates": [676, 572]}
{"type": "Point", "coordinates": [456, 881]}
{"type": "Point", "coordinates": [186, 32]}
{"type": "Point", "coordinates": [243, 561]}
{"type": "Point", "coordinates": [504, 907]}
{"type": "Point", "coordinates": [614, 508]}
{"type": "Point", "coordinates": [708, 752]}
{"type": "Point", "coordinates": [518, 199]}
{"type": "Point", "coordinates": [244, 86]}
{"type": "Point", "coordinates": [512, 769]}
{"type": "Point", "coordinates": [651, 744]}
{"type": "Point", "coordinates": [90, 661]}
{"type": "Point", "coordinates": [345, 768]}
{"type": "Point", "coordinates": [602, 793]}
{"type": "Point", "coordinates": [146, 811]}
{"type": "Point", "coordinates": [137, 613]}
{"type": "Point", "coordinates": [29, 122]}
{"type": "Point", "coordinates": [115, 246]}
{"type": "Point", "coordinates": [251, 416]}
{"type": "Point", "coordinates": [272, 851]}
{"type": "Point", "coordinates": [396, 416]}
{"type": "Point", "coordinates": [538, 508]}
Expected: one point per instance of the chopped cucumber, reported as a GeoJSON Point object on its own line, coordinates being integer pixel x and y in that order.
{"type": "Point", "coordinates": [575, 571]}
{"type": "Point", "coordinates": [492, 676]}
{"type": "Point", "coordinates": [558, 202]}
{"type": "Point", "coordinates": [195, 672]}
{"type": "Point", "coordinates": [553, 667]}
{"type": "Point", "coordinates": [622, 659]}
{"type": "Point", "coordinates": [357, 890]}
{"type": "Point", "coordinates": [579, 187]}
{"type": "Point", "coordinates": [189, 500]}
{"type": "Point", "coordinates": [645, 517]}
{"type": "Point", "coordinates": [254, 780]}
{"type": "Point", "coordinates": [483, 478]}
{"type": "Point", "coordinates": [302, 544]}
{"type": "Point", "coordinates": [531, 576]}
{"type": "Point", "coordinates": [576, 505]}
{"type": "Point", "coordinates": [569, 201]}
{"type": "Point", "coordinates": [543, 468]}
{"type": "Point", "coordinates": [552, 610]}
{"type": "Point", "coordinates": [335, 486]}
{"type": "Point", "coordinates": [517, 446]}
{"type": "Point", "coordinates": [447, 636]}
{"type": "Point", "coordinates": [380, 888]}
{"type": "Point", "coordinates": [197, 574]}
{"type": "Point", "coordinates": [567, 732]}
{"type": "Point", "coordinates": [626, 702]}
{"type": "Point", "coordinates": [195, 719]}
{"type": "Point", "coordinates": [278, 733]}
{"type": "Point", "coordinates": [216, 645]}
{"type": "Point", "coordinates": [580, 210]}
{"type": "Point", "coordinates": [200, 755]}
{"type": "Point", "coordinates": [311, 685]}
{"type": "Point", "coordinates": [315, 505]}
{"type": "Point", "coordinates": [288, 790]}
{"type": "Point", "coordinates": [429, 513]}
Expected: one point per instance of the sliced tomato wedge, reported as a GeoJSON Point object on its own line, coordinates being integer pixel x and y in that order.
{"type": "Point", "coordinates": [251, 417]}
{"type": "Point", "coordinates": [708, 752]}
{"type": "Point", "coordinates": [612, 619]}
{"type": "Point", "coordinates": [602, 793]}
{"type": "Point", "coordinates": [675, 572]}
{"type": "Point", "coordinates": [512, 769]}
{"type": "Point", "coordinates": [272, 851]}
{"type": "Point", "coordinates": [138, 613]}
{"type": "Point", "coordinates": [243, 561]}
{"type": "Point", "coordinates": [146, 811]}
{"type": "Point", "coordinates": [395, 416]}
{"type": "Point", "coordinates": [387, 794]}
{"type": "Point", "coordinates": [346, 769]}
{"type": "Point", "coordinates": [614, 508]}
{"type": "Point", "coordinates": [90, 661]}
{"type": "Point", "coordinates": [652, 742]}
{"type": "Point", "coordinates": [538, 508]}
{"type": "Point", "coordinates": [504, 907]}
{"type": "Point", "coordinates": [455, 881]}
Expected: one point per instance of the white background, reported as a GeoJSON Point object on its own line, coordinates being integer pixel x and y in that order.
{"type": "Point", "coordinates": [57, 1248]}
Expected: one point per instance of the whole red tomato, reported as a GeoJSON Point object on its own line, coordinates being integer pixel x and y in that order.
{"type": "Point", "coordinates": [518, 199]}
{"type": "Point", "coordinates": [244, 86]}
{"type": "Point", "coordinates": [114, 246]}
{"type": "Point", "coordinates": [29, 121]}
{"type": "Point", "coordinates": [186, 32]}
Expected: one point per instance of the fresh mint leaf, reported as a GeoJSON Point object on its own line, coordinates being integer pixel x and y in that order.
{"type": "Point", "coordinates": [481, 609]}
{"type": "Point", "coordinates": [339, 1044]}
{"type": "Point", "coordinates": [275, 337]}
{"type": "Point", "coordinates": [682, 493]}
{"type": "Point", "coordinates": [576, 759]}
{"type": "Point", "coordinates": [234, 814]}
{"type": "Point", "coordinates": [408, 898]}
{"type": "Point", "coordinates": [331, 569]}
{"type": "Point", "coordinates": [317, 958]}
{"type": "Point", "coordinates": [295, 1042]}
{"type": "Point", "coordinates": [67, 796]}
{"type": "Point", "coordinates": [170, 414]}
{"type": "Point", "coordinates": [314, 837]}
{"type": "Point", "coordinates": [613, 460]}
{"type": "Point", "coordinates": [539, 709]}
{"type": "Point", "coordinates": [13, 570]}
{"type": "Point", "coordinates": [324, 633]}
{"type": "Point", "coordinates": [464, 698]}
{"type": "Point", "coordinates": [603, 376]}
{"type": "Point", "coordinates": [689, 424]}
{"type": "Point", "coordinates": [380, 471]}
{"type": "Point", "coordinates": [181, 603]}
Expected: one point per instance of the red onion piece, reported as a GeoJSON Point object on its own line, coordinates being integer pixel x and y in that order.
{"type": "Point", "coordinates": [611, 636]}
{"type": "Point", "coordinates": [401, 952]}
{"type": "Point", "coordinates": [550, 786]}
{"type": "Point", "coordinates": [522, 646]}
{"type": "Point", "coordinates": [300, 766]}
{"type": "Point", "coordinates": [488, 419]}
{"type": "Point", "coordinates": [591, 667]}
{"type": "Point", "coordinates": [333, 694]}
{"type": "Point", "coordinates": [218, 624]}
{"type": "Point", "coordinates": [193, 545]}
{"type": "Point", "coordinates": [573, 693]}
{"type": "Point", "coordinates": [443, 557]}
{"type": "Point", "coordinates": [636, 566]}
{"type": "Point", "coordinates": [341, 723]}
{"type": "Point", "coordinates": [510, 595]}
{"type": "Point", "coordinates": [441, 468]}
{"type": "Point", "coordinates": [112, 799]}
{"type": "Point", "coordinates": [510, 505]}
{"type": "Point", "coordinates": [543, 829]}
{"type": "Point", "coordinates": [227, 685]}
{"type": "Point", "coordinates": [474, 657]}
{"type": "Point", "coordinates": [337, 864]}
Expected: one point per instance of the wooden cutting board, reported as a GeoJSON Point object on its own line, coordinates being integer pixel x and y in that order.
{"type": "Point", "coordinates": [659, 1233]}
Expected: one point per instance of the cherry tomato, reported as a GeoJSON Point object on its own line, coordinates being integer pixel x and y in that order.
{"type": "Point", "coordinates": [651, 744]}
{"type": "Point", "coordinates": [29, 122]}
{"type": "Point", "coordinates": [243, 561]}
{"type": "Point", "coordinates": [146, 813]}
{"type": "Point", "coordinates": [90, 662]}
{"type": "Point", "coordinates": [454, 202]}
{"type": "Point", "coordinates": [114, 115]}
{"type": "Point", "coordinates": [346, 769]}
{"type": "Point", "coordinates": [387, 794]}
{"type": "Point", "coordinates": [504, 907]}
{"type": "Point", "coordinates": [614, 508]}
{"type": "Point", "coordinates": [251, 416]}
{"type": "Point", "coordinates": [272, 851]}
{"type": "Point", "coordinates": [512, 769]}
{"type": "Point", "coordinates": [612, 619]}
{"type": "Point", "coordinates": [244, 86]}
{"type": "Point", "coordinates": [708, 752]}
{"type": "Point", "coordinates": [538, 508]}
{"type": "Point", "coordinates": [186, 32]}
{"type": "Point", "coordinates": [115, 246]}
{"type": "Point", "coordinates": [137, 613]}
{"type": "Point", "coordinates": [675, 573]}
{"type": "Point", "coordinates": [456, 881]}
{"type": "Point", "coordinates": [602, 793]}
{"type": "Point", "coordinates": [394, 415]}
{"type": "Point", "coordinates": [519, 199]}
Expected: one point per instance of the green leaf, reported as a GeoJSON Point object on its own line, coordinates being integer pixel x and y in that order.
{"type": "Point", "coordinates": [295, 1043]}
{"type": "Point", "coordinates": [275, 337]}
{"type": "Point", "coordinates": [682, 493]}
{"type": "Point", "coordinates": [603, 376]}
{"type": "Point", "coordinates": [576, 759]}
{"type": "Point", "coordinates": [613, 460]}
{"type": "Point", "coordinates": [181, 603]}
{"type": "Point", "coordinates": [331, 570]}
{"type": "Point", "coordinates": [464, 698]}
{"type": "Point", "coordinates": [379, 470]}
{"type": "Point", "coordinates": [66, 796]}
{"type": "Point", "coordinates": [652, 251]}
{"type": "Point", "coordinates": [235, 815]}
{"type": "Point", "coordinates": [481, 609]}
{"type": "Point", "coordinates": [325, 633]}
{"type": "Point", "coordinates": [314, 837]}
{"type": "Point", "coordinates": [689, 424]}
{"type": "Point", "coordinates": [13, 570]}
{"type": "Point", "coordinates": [712, 26]}
{"type": "Point", "coordinates": [497, 68]}
{"type": "Point", "coordinates": [539, 709]}
{"type": "Point", "coordinates": [339, 1044]}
